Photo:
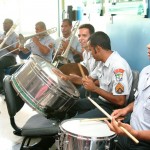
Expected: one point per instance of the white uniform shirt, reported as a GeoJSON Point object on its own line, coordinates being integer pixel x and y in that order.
{"type": "Point", "coordinates": [115, 76]}
{"type": "Point", "coordinates": [88, 61]}
{"type": "Point", "coordinates": [46, 40]}
{"type": "Point", "coordinates": [140, 118]}
{"type": "Point", "coordinates": [75, 44]}
{"type": "Point", "coordinates": [12, 41]}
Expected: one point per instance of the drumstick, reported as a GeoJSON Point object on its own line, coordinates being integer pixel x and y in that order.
{"type": "Point", "coordinates": [104, 112]}
{"type": "Point", "coordinates": [81, 70]}
{"type": "Point", "coordinates": [94, 119]}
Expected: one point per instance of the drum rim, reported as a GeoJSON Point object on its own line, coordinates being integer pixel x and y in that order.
{"type": "Point", "coordinates": [24, 96]}
{"type": "Point", "coordinates": [81, 136]}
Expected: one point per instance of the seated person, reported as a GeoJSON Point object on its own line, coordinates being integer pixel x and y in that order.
{"type": "Point", "coordinates": [7, 55]}
{"type": "Point", "coordinates": [140, 117]}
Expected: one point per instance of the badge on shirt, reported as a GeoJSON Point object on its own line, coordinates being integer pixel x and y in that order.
{"type": "Point", "coordinates": [119, 88]}
{"type": "Point", "coordinates": [119, 77]}
{"type": "Point", "coordinates": [119, 74]}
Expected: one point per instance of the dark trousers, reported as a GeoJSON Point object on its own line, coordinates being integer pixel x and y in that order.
{"type": "Point", "coordinates": [127, 144]}
{"type": "Point", "coordinates": [84, 93]}
{"type": "Point", "coordinates": [83, 108]}
{"type": "Point", "coordinates": [5, 62]}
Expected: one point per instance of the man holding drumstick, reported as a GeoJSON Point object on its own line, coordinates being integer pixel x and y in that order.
{"type": "Point", "coordinates": [114, 76]}
{"type": "Point", "coordinates": [140, 117]}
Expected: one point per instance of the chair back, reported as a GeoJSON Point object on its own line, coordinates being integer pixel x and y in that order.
{"type": "Point", "coordinates": [135, 74]}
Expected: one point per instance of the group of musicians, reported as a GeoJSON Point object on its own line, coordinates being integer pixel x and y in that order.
{"type": "Point", "coordinates": [108, 82]}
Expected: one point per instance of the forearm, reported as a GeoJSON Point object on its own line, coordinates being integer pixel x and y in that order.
{"type": "Point", "coordinates": [143, 135]}
{"type": "Point", "coordinates": [43, 49]}
{"type": "Point", "coordinates": [129, 108]}
{"type": "Point", "coordinates": [116, 99]}
{"type": "Point", "coordinates": [10, 48]}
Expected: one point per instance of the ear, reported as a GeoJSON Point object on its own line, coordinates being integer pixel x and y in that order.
{"type": "Point", "coordinates": [98, 48]}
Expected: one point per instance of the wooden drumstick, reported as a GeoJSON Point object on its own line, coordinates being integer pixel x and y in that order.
{"type": "Point", "coordinates": [81, 70]}
{"type": "Point", "coordinates": [94, 119]}
{"type": "Point", "coordinates": [104, 112]}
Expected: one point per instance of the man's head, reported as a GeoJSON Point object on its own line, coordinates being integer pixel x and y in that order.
{"type": "Point", "coordinates": [7, 24]}
{"type": "Point", "coordinates": [40, 27]}
{"type": "Point", "coordinates": [85, 31]}
{"type": "Point", "coordinates": [99, 42]}
{"type": "Point", "coordinates": [66, 27]}
{"type": "Point", "coordinates": [148, 51]}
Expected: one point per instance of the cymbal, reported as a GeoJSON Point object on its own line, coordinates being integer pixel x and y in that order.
{"type": "Point", "coordinates": [73, 68]}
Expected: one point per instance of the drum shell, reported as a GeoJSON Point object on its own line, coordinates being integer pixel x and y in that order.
{"type": "Point", "coordinates": [73, 140]}
{"type": "Point", "coordinates": [36, 83]}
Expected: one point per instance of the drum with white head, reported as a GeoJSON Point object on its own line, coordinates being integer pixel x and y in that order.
{"type": "Point", "coordinates": [77, 134]}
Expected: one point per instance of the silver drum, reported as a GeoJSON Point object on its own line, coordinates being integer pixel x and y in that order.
{"type": "Point", "coordinates": [77, 134]}
{"type": "Point", "coordinates": [42, 89]}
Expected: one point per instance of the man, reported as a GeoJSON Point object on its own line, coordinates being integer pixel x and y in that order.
{"type": "Point", "coordinates": [10, 44]}
{"type": "Point", "coordinates": [140, 118]}
{"type": "Point", "coordinates": [114, 76]}
{"type": "Point", "coordinates": [40, 45]}
{"type": "Point", "coordinates": [61, 43]}
{"type": "Point", "coordinates": [84, 32]}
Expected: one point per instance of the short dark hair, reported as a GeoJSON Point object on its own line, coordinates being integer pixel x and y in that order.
{"type": "Point", "coordinates": [101, 39]}
{"type": "Point", "coordinates": [41, 24]}
{"type": "Point", "coordinates": [68, 20]}
{"type": "Point", "coordinates": [9, 21]}
{"type": "Point", "coordinates": [88, 26]}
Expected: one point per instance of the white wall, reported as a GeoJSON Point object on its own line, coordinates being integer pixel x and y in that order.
{"type": "Point", "coordinates": [27, 12]}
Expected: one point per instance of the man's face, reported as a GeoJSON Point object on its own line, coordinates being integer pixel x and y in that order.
{"type": "Point", "coordinates": [95, 51]}
{"type": "Point", "coordinates": [83, 36]}
{"type": "Point", "coordinates": [148, 51]}
{"type": "Point", "coordinates": [66, 28]}
{"type": "Point", "coordinates": [38, 29]}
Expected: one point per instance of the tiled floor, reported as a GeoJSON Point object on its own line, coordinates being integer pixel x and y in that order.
{"type": "Point", "coordinates": [8, 140]}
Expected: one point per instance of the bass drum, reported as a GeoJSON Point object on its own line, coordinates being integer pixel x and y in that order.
{"type": "Point", "coordinates": [42, 89]}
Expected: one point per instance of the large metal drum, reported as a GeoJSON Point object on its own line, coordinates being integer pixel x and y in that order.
{"type": "Point", "coordinates": [42, 89]}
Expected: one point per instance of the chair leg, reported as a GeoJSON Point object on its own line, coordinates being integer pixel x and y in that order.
{"type": "Point", "coordinates": [24, 141]}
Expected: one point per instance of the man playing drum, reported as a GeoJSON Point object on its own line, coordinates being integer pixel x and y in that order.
{"type": "Point", "coordinates": [140, 118]}
{"type": "Point", "coordinates": [114, 76]}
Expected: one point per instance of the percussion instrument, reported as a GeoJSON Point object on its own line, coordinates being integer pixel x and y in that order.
{"type": "Point", "coordinates": [42, 89]}
{"type": "Point", "coordinates": [84, 135]}
{"type": "Point", "coordinates": [73, 68]}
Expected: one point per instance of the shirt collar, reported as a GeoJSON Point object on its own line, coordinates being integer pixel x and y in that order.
{"type": "Point", "coordinates": [108, 61]}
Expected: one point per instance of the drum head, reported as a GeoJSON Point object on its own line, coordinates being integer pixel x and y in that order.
{"type": "Point", "coordinates": [86, 129]}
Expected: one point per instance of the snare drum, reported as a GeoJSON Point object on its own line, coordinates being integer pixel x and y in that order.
{"type": "Point", "coordinates": [42, 89]}
{"type": "Point", "coordinates": [84, 135]}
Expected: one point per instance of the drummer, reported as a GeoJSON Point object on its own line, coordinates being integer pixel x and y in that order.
{"type": "Point", "coordinates": [114, 76]}
{"type": "Point", "coordinates": [84, 32]}
{"type": "Point", "coordinates": [42, 45]}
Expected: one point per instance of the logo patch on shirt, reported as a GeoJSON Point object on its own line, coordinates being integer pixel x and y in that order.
{"type": "Point", "coordinates": [119, 88]}
{"type": "Point", "coordinates": [119, 74]}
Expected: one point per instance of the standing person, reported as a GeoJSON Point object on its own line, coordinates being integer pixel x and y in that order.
{"type": "Point", "coordinates": [10, 44]}
{"type": "Point", "coordinates": [62, 42]}
{"type": "Point", "coordinates": [114, 76]}
{"type": "Point", "coordinates": [140, 118]}
{"type": "Point", "coordinates": [40, 44]}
